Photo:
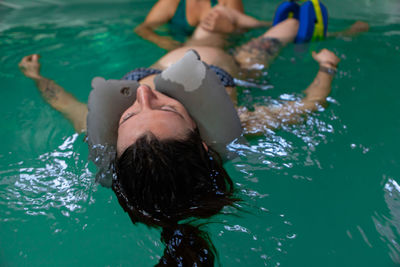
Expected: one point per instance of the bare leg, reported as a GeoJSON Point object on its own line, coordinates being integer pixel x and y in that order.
{"type": "Point", "coordinates": [259, 52]}
{"type": "Point", "coordinates": [285, 31]}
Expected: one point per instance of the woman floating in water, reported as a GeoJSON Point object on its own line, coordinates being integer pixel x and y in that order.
{"type": "Point", "coordinates": [167, 168]}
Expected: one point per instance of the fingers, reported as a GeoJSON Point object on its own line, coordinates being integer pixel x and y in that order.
{"type": "Point", "coordinates": [206, 25]}
{"type": "Point", "coordinates": [313, 54]}
{"type": "Point", "coordinates": [209, 21]}
{"type": "Point", "coordinates": [321, 52]}
{"type": "Point", "coordinates": [29, 62]}
{"type": "Point", "coordinates": [210, 18]}
{"type": "Point", "coordinates": [30, 58]}
{"type": "Point", "coordinates": [27, 58]}
{"type": "Point", "coordinates": [24, 60]}
{"type": "Point", "coordinates": [326, 56]}
{"type": "Point", "coordinates": [324, 50]}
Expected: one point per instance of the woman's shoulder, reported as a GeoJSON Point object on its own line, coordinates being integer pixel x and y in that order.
{"type": "Point", "coordinates": [162, 9]}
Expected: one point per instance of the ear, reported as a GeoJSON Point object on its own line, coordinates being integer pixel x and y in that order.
{"type": "Point", "coordinates": [205, 146]}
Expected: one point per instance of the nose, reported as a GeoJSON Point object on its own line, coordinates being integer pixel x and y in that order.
{"type": "Point", "coordinates": [145, 96]}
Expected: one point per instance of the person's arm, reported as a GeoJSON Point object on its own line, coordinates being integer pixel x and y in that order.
{"type": "Point", "coordinates": [222, 19]}
{"type": "Point", "coordinates": [54, 94]}
{"type": "Point", "coordinates": [293, 111]}
{"type": "Point", "coordinates": [357, 28]}
{"type": "Point", "coordinates": [161, 13]}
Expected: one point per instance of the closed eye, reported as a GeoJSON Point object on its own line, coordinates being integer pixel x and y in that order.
{"type": "Point", "coordinates": [168, 108]}
{"type": "Point", "coordinates": [171, 109]}
{"type": "Point", "coordinates": [162, 108]}
{"type": "Point", "coordinates": [129, 115]}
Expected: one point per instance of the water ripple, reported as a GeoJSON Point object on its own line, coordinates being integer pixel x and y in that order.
{"type": "Point", "coordinates": [59, 181]}
{"type": "Point", "coordinates": [389, 226]}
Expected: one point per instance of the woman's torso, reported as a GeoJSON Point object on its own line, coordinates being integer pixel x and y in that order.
{"type": "Point", "coordinates": [210, 55]}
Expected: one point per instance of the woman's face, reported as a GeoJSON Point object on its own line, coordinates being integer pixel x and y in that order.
{"type": "Point", "coordinates": [153, 112]}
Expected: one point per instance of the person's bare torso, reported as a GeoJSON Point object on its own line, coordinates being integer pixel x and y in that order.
{"type": "Point", "coordinates": [210, 55]}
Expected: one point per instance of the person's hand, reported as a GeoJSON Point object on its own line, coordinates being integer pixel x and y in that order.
{"type": "Point", "coordinates": [30, 66]}
{"type": "Point", "coordinates": [167, 43]}
{"type": "Point", "coordinates": [217, 20]}
{"type": "Point", "coordinates": [326, 58]}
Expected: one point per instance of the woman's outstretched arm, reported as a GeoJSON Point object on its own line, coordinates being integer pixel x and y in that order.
{"type": "Point", "coordinates": [161, 13]}
{"type": "Point", "coordinates": [357, 28]}
{"type": "Point", "coordinates": [54, 94]}
{"type": "Point", "coordinates": [293, 111]}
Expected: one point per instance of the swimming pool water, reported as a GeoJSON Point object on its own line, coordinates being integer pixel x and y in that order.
{"type": "Point", "coordinates": [322, 193]}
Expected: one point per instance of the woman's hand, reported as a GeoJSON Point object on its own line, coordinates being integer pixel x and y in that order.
{"type": "Point", "coordinates": [218, 20]}
{"type": "Point", "coordinates": [326, 58]}
{"type": "Point", "coordinates": [167, 43]}
{"type": "Point", "coordinates": [30, 66]}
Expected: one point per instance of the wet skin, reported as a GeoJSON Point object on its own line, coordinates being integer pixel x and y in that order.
{"type": "Point", "coordinates": [153, 112]}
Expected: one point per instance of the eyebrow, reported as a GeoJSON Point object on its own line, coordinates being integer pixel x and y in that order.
{"type": "Point", "coordinates": [167, 110]}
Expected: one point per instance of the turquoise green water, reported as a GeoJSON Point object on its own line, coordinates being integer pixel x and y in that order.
{"type": "Point", "coordinates": [323, 193]}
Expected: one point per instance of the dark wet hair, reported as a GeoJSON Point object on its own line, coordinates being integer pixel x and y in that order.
{"type": "Point", "coordinates": [162, 182]}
